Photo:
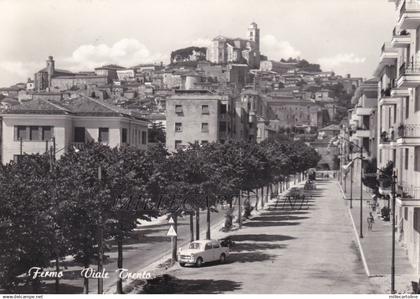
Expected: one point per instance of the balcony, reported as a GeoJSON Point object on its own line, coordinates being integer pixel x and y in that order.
{"type": "Point", "coordinates": [399, 92]}
{"type": "Point", "coordinates": [409, 15]}
{"type": "Point", "coordinates": [389, 55]}
{"type": "Point", "coordinates": [409, 75]}
{"type": "Point", "coordinates": [400, 39]}
{"type": "Point", "coordinates": [361, 111]}
{"type": "Point", "coordinates": [387, 101]}
{"type": "Point", "coordinates": [408, 135]}
{"type": "Point", "coordinates": [362, 133]}
{"type": "Point", "coordinates": [409, 195]}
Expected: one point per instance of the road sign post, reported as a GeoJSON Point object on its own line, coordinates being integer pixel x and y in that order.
{"type": "Point", "coordinates": [172, 233]}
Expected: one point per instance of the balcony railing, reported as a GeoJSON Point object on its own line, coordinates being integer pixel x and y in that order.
{"type": "Point", "coordinates": [412, 68]}
{"type": "Point", "coordinates": [409, 6]}
{"type": "Point", "coordinates": [408, 131]}
{"type": "Point", "coordinates": [399, 33]}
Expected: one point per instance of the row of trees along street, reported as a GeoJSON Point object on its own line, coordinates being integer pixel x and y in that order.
{"type": "Point", "coordinates": [52, 209]}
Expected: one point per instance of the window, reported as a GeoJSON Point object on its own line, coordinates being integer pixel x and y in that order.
{"type": "Point", "coordinates": [178, 144]}
{"type": "Point", "coordinates": [208, 246]}
{"type": "Point", "coordinates": [380, 156]}
{"type": "Point", "coordinates": [103, 135]}
{"type": "Point", "coordinates": [216, 245]}
{"type": "Point", "coordinates": [47, 133]}
{"type": "Point", "coordinates": [223, 108]}
{"type": "Point", "coordinates": [178, 109]}
{"type": "Point", "coordinates": [204, 127]}
{"type": "Point", "coordinates": [124, 135]}
{"type": "Point", "coordinates": [205, 109]}
{"type": "Point", "coordinates": [34, 133]}
{"type": "Point", "coordinates": [79, 134]}
{"type": "Point", "coordinates": [222, 126]}
{"type": "Point", "coordinates": [178, 127]}
{"type": "Point", "coordinates": [407, 107]}
{"type": "Point", "coordinates": [417, 99]}
{"type": "Point", "coordinates": [204, 142]}
{"type": "Point", "coordinates": [417, 158]}
{"type": "Point", "coordinates": [406, 158]}
{"type": "Point", "coordinates": [21, 133]}
{"type": "Point", "coordinates": [406, 213]}
{"type": "Point", "coordinates": [143, 137]}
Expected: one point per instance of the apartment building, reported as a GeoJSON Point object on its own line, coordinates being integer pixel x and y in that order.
{"type": "Point", "coordinates": [32, 127]}
{"type": "Point", "coordinates": [399, 120]}
{"type": "Point", "coordinates": [198, 116]}
{"type": "Point", "coordinates": [363, 117]}
{"type": "Point", "coordinates": [253, 115]}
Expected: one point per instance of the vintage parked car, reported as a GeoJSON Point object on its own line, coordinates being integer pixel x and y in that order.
{"type": "Point", "coordinates": [202, 251]}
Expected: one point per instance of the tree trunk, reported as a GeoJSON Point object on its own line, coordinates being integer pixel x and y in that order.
{"type": "Point", "coordinates": [239, 210]}
{"type": "Point", "coordinates": [208, 235]}
{"type": "Point", "coordinates": [257, 200]}
{"type": "Point", "coordinates": [192, 226]}
{"type": "Point", "coordinates": [197, 224]}
{"type": "Point", "coordinates": [85, 279]}
{"type": "Point", "coordinates": [100, 256]}
{"type": "Point", "coordinates": [174, 253]}
{"type": "Point", "coordinates": [120, 260]}
{"type": "Point", "coordinates": [57, 270]}
{"type": "Point", "coordinates": [262, 201]}
{"type": "Point", "coordinates": [35, 285]}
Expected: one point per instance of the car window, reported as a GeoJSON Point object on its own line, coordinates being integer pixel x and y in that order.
{"type": "Point", "coordinates": [208, 246]}
{"type": "Point", "coordinates": [194, 246]}
{"type": "Point", "coordinates": [216, 245]}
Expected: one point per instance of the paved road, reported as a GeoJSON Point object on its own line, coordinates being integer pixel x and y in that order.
{"type": "Point", "coordinates": [311, 250]}
{"type": "Point", "coordinates": [147, 245]}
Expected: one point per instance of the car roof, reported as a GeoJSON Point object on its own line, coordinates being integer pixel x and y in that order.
{"type": "Point", "coordinates": [204, 241]}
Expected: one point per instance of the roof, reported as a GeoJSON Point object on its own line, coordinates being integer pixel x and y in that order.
{"type": "Point", "coordinates": [110, 67]}
{"type": "Point", "coordinates": [81, 106]}
{"type": "Point", "coordinates": [331, 128]}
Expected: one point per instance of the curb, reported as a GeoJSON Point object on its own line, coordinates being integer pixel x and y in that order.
{"type": "Point", "coordinates": [359, 244]}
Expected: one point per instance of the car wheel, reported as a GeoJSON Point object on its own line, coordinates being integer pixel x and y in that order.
{"type": "Point", "coordinates": [182, 264]}
{"type": "Point", "coordinates": [222, 258]}
{"type": "Point", "coordinates": [199, 262]}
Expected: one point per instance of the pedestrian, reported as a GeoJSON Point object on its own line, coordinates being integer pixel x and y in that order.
{"type": "Point", "coordinates": [370, 221]}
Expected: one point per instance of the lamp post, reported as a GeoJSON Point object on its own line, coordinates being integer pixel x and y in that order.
{"type": "Point", "coordinates": [361, 182]}
{"type": "Point", "coordinates": [394, 177]}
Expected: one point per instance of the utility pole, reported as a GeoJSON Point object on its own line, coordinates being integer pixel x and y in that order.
{"type": "Point", "coordinates": [351, 187]}
{"type": "Point", "coordinates": [100, 242]}
{"type": "Point", "coordinates": [361, 192]}
{"type": "Point", "coordinates": [394, 177]}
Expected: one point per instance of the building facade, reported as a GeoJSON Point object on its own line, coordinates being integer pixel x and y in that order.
{"type": "Point", "coordinates": [32, 127]}
{"type": "Point", "coordinates": [198, 116]}
{"type": "Point", "coordinates": [398, 123]}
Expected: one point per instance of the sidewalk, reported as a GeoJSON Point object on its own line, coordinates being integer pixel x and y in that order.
{"type": "Point", "coordinates": [376, 245]}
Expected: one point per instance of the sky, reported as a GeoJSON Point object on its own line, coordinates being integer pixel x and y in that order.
{"type": "Point", "coordinates": [341, 35]}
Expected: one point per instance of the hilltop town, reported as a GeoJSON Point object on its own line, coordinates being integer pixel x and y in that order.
{"type": "Point", "coordinates": [254, 97]}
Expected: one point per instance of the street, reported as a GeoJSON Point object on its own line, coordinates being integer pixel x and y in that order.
{"type": "Point", "coordinates": [311, 250]}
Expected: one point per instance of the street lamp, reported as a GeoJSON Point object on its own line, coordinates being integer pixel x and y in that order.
{"type": "Point", "coordinates": [361, 182]}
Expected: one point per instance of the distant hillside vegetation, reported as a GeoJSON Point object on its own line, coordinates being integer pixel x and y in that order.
{"type": "Point", "coordinates": [188, 54]}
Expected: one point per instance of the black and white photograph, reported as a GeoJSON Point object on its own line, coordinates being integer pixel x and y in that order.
{"type": "Point", "coordinates": [209, 147]}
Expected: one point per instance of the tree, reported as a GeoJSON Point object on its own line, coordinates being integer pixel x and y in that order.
{"type": "Point", "coordinates": [157, 134]}
{"type": "Point", "coordinates": [27, 228]}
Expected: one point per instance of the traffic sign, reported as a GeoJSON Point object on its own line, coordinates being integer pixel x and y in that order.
{"type": "Point", "coordinates": [171, 221]}
{"type": "Point", "coordinates": [171, 232]}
